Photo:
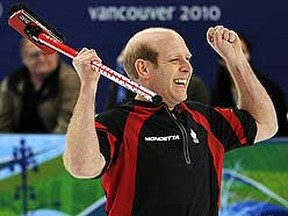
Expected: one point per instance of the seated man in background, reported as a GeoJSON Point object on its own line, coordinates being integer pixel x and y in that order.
{"type": "Point", "coordinates": [38, 97]}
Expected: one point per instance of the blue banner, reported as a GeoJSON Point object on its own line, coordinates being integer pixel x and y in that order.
{"type": "Point", "coordinates": [106, 25]}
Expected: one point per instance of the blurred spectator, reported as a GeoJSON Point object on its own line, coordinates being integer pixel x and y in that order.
{"type": "Point", "coordinates": [38, 97]}
{"type": "Point", "coordinates": [224, 93]}
{"type": "Point", "coordinates": [197, 89]}
{"type": "Point", "coordinates": [117, 93]}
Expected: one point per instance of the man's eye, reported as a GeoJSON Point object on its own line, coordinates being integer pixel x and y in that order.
{"type": "Point", "coordinates": [174, 60]}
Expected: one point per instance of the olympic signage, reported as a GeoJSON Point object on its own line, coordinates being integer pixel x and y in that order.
{"type": "Point", "coordinates": [182, 13]}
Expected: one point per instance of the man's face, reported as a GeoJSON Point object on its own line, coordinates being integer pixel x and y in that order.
{"type": "Point", "coordinates": [171, 78]}
{"type": "Point", "coordinates": [37, 62]}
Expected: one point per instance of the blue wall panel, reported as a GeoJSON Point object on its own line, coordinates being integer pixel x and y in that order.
{"type": "Point", "coordinates": [106, 25]}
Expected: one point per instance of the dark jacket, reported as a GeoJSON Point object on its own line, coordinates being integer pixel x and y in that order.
{"type": "Point", "coordinates": [54, 103]}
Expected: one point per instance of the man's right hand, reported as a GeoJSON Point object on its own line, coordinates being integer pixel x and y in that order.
{"type": "Point", "coordinates": [82, 64]}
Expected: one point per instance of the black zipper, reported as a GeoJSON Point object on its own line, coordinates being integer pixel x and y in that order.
{"type": "Point", "coordinates": [184, 136]}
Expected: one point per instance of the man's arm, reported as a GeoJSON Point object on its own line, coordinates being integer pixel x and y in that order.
{"type": "Point", "coordinates": [82, 157]}
{"type": "Point", "coordinates": [252, 96]}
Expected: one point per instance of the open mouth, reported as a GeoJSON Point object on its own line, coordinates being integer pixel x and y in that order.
{"type": "Point", "coordinates": [180, 82]}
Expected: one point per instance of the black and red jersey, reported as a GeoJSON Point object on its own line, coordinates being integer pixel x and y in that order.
{"type": "Point", "coordinates": [161, 162]}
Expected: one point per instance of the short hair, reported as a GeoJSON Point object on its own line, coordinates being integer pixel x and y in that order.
{"type": "Point", "coordinates": [141, 47]}
{"type": "Point", "coordinates": [140, 51]}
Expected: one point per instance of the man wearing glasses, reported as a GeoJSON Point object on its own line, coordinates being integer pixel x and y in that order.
{"type": "Point", "coordinates": [38, 97]}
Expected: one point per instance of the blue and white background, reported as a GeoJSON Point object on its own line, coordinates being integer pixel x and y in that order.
{"type": "Point", "coordinates": [106, 25]}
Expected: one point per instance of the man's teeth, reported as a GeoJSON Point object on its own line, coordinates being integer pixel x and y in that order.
{"type": "Point", "coordinates": [180, 81]}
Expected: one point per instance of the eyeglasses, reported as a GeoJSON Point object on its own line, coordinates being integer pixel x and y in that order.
{"type": "Point", "coordinates": [34, 55]}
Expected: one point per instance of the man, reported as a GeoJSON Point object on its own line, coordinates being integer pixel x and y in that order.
{"type": "Point", "coordinates": [40, 96]}
{"type": "Point", "coordinates": [164, 159]}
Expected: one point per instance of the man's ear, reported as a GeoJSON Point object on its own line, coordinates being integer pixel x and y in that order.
{"type": "Point", "coordinates": [141, 67]}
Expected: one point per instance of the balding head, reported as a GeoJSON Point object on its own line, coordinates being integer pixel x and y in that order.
{"type": "Point", "coordinates": [38, 62]}
{"type": "Point", "coordinates": [143, 45]}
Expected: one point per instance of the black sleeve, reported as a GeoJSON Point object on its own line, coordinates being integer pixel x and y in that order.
{"type": "Point", "coordinates": [109, 126]}
{"type": "Point", "coordinates": [104, 146]}
{"type": "Point", "coordinates": [234, 127]}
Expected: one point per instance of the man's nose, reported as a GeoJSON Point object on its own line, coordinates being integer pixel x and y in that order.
{"type": "Point", "coordinates": [186, 66]}
{"type": "Point", "coordinates": [41, 56]}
